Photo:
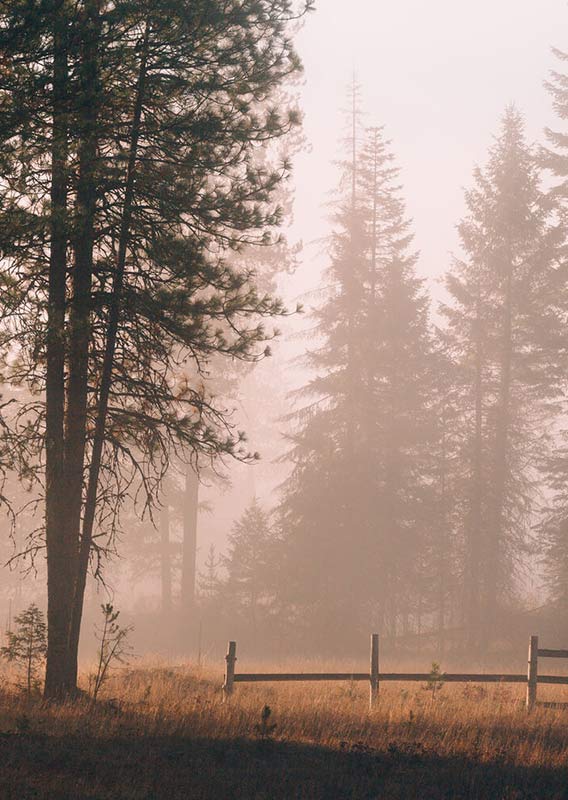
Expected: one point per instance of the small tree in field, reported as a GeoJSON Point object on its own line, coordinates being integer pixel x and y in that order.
{"type": "Point", "coordinates": [435, 681]}
{"type": "Point", "coordinates": [27, 645]}
{"type": "Point", "coordinates": [113, 646]}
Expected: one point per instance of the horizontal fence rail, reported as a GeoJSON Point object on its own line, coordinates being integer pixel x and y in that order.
{"type": "Point", "coordinates": [559, 680]}
{"type": "Point", "coordinates": [447, 677]}
{"type": "Point", "coordinates": [454, 677]}
{"type": "Point", "coordinates": [265, 677]}
{"type": "Point", "coordinates": [552, 653]}
{"type": "Point", "coordinates": [375, 677]}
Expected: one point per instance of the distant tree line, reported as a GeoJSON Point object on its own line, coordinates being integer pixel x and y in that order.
{"type": "Point", "coordinates": [427, 460]}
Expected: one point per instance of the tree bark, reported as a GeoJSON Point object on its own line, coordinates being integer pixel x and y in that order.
{"type": "Point", "coordinates": [80, 323]}
{"type": "Point", "coordinates": [165, 562]}
{"type": "Point", "coordinates": [189, 550]}
{"type": "Point", "coordinates": [80, 312]}
{"type": "Point", "coordinates": [500, 455]}
{"type": "Point", "coordinates": [58, 547]}
{"type": "Point", "coordinates": [108, 363]}
{"type": "Point", "coordinates": [65, 506]}
{"type": "Point", "coordinates": [443, 544]}
{"type": "Point", "coordinates": [475, 530]}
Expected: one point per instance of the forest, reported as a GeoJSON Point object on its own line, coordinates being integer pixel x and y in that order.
{"type": "Point", "coordinates": [213, 428]}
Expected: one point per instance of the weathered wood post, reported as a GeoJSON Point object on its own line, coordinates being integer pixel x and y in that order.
{"type": "Point", "coordinates": [374, 673]}
{"type": "Point", "coordinates": [230, 660]}
{"type": "Point", "coordinates": [532, 675]}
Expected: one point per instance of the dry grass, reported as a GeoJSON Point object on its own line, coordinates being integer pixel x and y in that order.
{"type": "Point", "coordinates": [164, 733]}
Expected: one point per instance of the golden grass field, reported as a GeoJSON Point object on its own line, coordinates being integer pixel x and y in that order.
{"type": "Point", "coordinates": [161, 732]}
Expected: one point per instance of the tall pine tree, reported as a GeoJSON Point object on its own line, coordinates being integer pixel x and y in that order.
{"type": "Point", "coordinates": [553, 527]}
{"type": "Point", "coordinates": [130, 136]}
{"type": "Point", "coordinates": [353, 508]}
{"type": "Point", "coordinates": [505, 328]}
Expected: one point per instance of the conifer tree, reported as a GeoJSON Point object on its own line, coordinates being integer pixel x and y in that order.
{"type": "Point", "coordinates": [27, 645]}
{"type": "Point", "coordinates": [248, 589]}
{"type": "Point", "coordinates": [553, 528]}
{"type": "Point", "coordinates": [400, 365]}
{"type": "Point", "coordinates": [554, 157]}
{"type": "Point", "coordinates": [505, 326]}
{"type": "Point", "coordinates": [353, 508]}
{"type": "Point", "coordinates": [129, 135]}
{"type": "Point", "coordinates": [209, 580]}
{"type": "Point", "coordinates": [321, 513]}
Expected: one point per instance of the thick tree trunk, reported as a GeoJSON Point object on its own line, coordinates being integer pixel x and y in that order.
{"type": "Point", "coordinates": [80, 332]}
{"type": "Point", "coordinates": [59, 548]}
{"type": "Point", "coordinates": [63, 673]}
{"type": "Point", "coordinates": [80, 315]}
{"type": "Point", "coordinates": [108, 363]}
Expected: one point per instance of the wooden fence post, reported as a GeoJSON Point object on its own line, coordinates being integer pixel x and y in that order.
{"type": "Point", "coordinates": [374, 673]}
{"type": "Point", "coordinates": [532, 675]}
{"type": "Point", "coordinates": [230, 659]}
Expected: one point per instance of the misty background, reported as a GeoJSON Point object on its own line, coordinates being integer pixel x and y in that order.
{"type": "Point", "coordinates": [438, 76]}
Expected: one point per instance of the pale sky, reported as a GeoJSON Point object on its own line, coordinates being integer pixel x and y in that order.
{"type": "Point", "coordinates": [438, 74]}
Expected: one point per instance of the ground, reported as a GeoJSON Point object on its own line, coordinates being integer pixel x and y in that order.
{"type": "Point", "coordinates": [165, 733]}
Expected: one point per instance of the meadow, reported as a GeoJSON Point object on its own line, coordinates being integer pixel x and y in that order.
{"type": "Point", "coordinates": [164, 732]}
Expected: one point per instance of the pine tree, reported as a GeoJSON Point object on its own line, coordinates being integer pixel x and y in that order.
{"type": "Point", "coordinates": [400, 365]}
{"type": "Point", "coordinates": [553, 527]}
{"type": "Point", "coordinates": [27, 645]}
{"type": "Point", "coordinates": [354, 506]}
{"type": "Point", "coordinates": [553, 530]}
{"type": "Point", "coordinates": [555, 157]}
{"type": "Point", "coordinates": [209, 581]}
{"type": "Point", "coordinates": [505, 327]}
{"type": "Point", "coordinates": [130, 134]}
{"type": "Point", "coordinates": [321, 512]}
{"type": "Point", "coordinates": [248, 589]}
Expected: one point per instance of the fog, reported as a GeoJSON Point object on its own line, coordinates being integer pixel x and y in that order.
{"type": "Point", "coordinates": [439, 77]}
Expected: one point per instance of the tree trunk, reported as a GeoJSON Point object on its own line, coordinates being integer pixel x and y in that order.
{"type": "Point", "coordinates": [189, 549]}
{"type": "Point", "coordinates": [475, 517]}
{"type": "Point", "coordinates": [443, 544]}
{"type": "Point", "coordinates": [500, 459]}
{"type": "Point", "coordinates": [58, 547]}
{"type": "Point", "coordinates": [61, 670]}
{"type": "Point", "coordinates": [80, 313]}
{"type": "Point", "coordinates": [80, 322]}
{"type": "Point", "coordinates": [165, 562]}
{"type": "Point", "coordinates": [108, 363]}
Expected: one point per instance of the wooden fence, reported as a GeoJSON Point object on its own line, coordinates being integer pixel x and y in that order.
{"type": "Point", "coordinates": [375, 677]}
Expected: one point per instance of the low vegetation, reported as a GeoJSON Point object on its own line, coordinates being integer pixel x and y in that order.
{"type": "Point", "coordinates": [161, 731]}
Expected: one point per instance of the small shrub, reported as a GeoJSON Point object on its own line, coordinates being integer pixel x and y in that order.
{"type": "Point", "coordinates": [265, 728]}
{"type": "Point", "coordinates": [435, 680]}
{"type": "Point", "coordinates": [113, 647]}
